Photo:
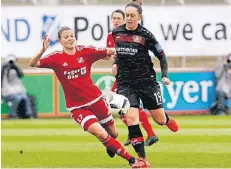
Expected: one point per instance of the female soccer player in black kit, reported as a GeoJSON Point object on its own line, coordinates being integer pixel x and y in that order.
{"type": "Point", "coordinates": [136, 78]}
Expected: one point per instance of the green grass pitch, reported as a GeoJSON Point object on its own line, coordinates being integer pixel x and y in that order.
{"type": "Point", "coordinates": [202, 142]}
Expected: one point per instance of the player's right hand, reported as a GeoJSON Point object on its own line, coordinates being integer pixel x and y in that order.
{"type": "Point", "coordinates": [46, 42]}
{"type": "Point", "coordinates": [165, 80]}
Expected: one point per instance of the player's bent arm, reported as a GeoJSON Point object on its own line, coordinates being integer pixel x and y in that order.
{"type": "Point", "coordinates": [155, 47]}
{"type": "Point", "coordinates": [34, 62]}
{"type": "Point", "coordinates": [163, 65]}
{"type": "Point", "coordinates": [109, 53]}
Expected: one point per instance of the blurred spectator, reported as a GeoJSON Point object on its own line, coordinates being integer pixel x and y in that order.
{"type": "Point", "coordinates": [13, 91]}
{"type": "Point", "coordinates": [181, 2]}
{"type": "Point", "coordinates": [223, 86]}
{"type": "Point", "coordinates": [34, 2]}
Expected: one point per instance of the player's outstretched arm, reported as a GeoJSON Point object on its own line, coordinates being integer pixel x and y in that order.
{"type": "Point", "coordinates": [34, 62]}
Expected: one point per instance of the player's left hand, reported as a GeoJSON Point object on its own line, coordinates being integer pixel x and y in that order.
{"type": "Point", "coordinates": [165, 80]}
{"type": "Point", "coordinates": [46, 42]}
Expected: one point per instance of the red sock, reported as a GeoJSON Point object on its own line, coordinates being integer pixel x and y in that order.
{"type": "Point", "coordinates": [123, 118]}
{"type": "Point", "coordinates": [145, 123]}
{"type": "Point", "coordinates": [116, 147]}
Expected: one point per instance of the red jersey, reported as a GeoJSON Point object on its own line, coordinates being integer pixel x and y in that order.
{"type": "Point", "coordinates": [73, 72]}
{"type": "Point", "coordinates": [111, 44]}
{"type": "Point", "coordinates": [110, 41]}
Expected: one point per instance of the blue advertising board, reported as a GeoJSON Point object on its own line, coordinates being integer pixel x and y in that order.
{"type": "Point", "coordinates": [189, 91]}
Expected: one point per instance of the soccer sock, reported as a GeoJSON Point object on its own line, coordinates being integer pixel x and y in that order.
{"type": "Point", "coordinates": [167, 118]}
{"type": "Point", "coordinates": [137, 140]}
{"type": "Point", "coordinates": [116, 147]}
{"type": "Point", "coordinates": [145, 123]}
{"type": "Point", "coordinates": [123, 117]}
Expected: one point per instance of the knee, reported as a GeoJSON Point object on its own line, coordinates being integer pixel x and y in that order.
{"type": "Point", "coordinates": [111, 130]}
{"type": "Point", "coordinates": [159, 116]}
{"type": "Point", "coordinates": [101, 135]}
{"type": "Point", "coordinates": [161, 121]}
{"type": "Point", "coordinates": [114, 134]}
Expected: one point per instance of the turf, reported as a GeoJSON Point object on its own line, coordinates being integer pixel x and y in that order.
{"type": "Point", "coordinates": [202, 142]}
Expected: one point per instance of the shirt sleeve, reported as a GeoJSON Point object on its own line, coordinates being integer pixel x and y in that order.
{"type": "Point", "coordinates": [47, 61]}
{"type": "Point", "coordinates": [113, 34]}
{"type": "Point", "coordinates": [155, 47]}
{"type": "Point", "coordinates": [110, 41]}
{"type": "Point", "coordinates": [95, 54]}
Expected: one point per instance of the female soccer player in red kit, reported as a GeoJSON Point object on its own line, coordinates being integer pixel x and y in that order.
{"type": "Point", "coordinates": [72, 67]}
{"type": "Point", "coordinates": [117, 18]}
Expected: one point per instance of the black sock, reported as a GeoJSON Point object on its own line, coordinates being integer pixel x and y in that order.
{"type": "Point", "coordinates": [167, 118]}
{"type": "Point", "coordinates": [137, 140]}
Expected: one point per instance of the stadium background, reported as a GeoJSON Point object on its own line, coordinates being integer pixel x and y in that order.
{"type": "Point", "coordinates": [195, 35]}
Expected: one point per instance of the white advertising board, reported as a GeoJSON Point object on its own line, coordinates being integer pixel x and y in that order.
{"type": "Point", "coordinates": [180, 30]}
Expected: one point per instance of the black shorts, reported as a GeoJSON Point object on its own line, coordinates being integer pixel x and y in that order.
{"type": "Point", "coordinates": [148, 91]}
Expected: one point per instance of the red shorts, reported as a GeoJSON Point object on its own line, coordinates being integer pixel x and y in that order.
{"type": "Point", "coordinates": [97, 112]}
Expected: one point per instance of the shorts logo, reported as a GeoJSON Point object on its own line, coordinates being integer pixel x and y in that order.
{"type": "Point", "coordinates": [119, 151]}
{"type": "Point", "coordinates": [50, 26]}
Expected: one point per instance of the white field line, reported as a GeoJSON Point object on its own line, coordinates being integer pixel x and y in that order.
{"type": "Point", "coordinates": [79, 132]}
{"type": "Point", "coordinates": [96, 146]}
